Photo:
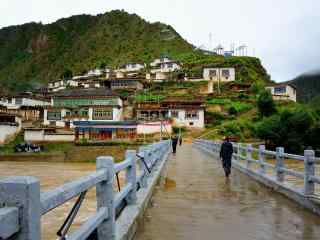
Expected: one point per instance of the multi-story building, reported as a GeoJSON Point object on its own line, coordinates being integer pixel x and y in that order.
{"type": "Point", "coordinates": [27, 105]}
{"type": "Point", "coordinates": [93, 114]}
{"type": "Point", "coordinates": [181, 112]}
{"type": "Point", "coordinates": [83, 105]}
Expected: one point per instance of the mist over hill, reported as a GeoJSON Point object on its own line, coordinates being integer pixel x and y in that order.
{"type": "Point", "coordinates": [308, 86]}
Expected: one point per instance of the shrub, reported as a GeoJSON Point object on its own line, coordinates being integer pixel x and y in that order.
{"type": "Point", "coordinates": [289, 129]}
{"type": "Point", "coordinates": [265, 103]}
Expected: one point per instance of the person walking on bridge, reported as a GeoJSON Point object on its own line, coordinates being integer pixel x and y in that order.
{"type": "Point", "coordinates": [174, 141]}
{"type": "Point", "coordinates": [226, 152]}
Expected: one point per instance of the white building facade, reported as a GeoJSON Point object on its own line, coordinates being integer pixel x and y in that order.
{"type": "Point", "coordinates": [219, 74]}
{"type": "Point", "coordinates": [283, 92]}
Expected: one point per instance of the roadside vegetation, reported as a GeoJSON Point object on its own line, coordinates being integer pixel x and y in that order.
{"type": "Point", "coordinates": [291, 125]}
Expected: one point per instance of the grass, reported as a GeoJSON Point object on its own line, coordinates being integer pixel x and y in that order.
{"type": "Point", "coordinates": [239, 106]}
{"type": "Point", "coordinates": [9, 148]}
{"type": "Point", "coordinates": [149, 97]}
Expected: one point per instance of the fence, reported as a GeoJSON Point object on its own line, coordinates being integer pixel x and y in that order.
{"type": "Point", "coordinates": [22, 204]}
{"type": "Point", "coordinates": [245, 155]}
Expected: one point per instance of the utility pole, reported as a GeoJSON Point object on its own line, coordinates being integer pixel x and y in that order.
{"type": "Point", "coordinates": [161, 129]}
{"type": "Point", "coordinates": [219, 79]}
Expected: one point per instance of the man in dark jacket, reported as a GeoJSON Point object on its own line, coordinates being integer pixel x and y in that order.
{"type": "Point", "coordinates": [174, 141]}
{"type": "Point", "coordinates": [226, 156]}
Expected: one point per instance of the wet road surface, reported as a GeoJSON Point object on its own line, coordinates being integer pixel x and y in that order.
{"type": "Point", "coordinates": [196, 202]}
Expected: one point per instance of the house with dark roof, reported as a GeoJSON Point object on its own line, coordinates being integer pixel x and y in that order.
{"type": "Point", "coordinates": [98, 104]}
{"type": "Point", "coordinates": [179, 111]}
{"type": "Point", "coordinates": [283, 91]}
{"type": "Point", "coordinates": [124, 84]}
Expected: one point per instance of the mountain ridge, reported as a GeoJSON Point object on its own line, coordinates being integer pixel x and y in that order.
{"type": "Point", "coordinates": [32, 54]}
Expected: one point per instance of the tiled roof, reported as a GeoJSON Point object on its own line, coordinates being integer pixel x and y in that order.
{"type": "Point", "coordinates": [89, 92]}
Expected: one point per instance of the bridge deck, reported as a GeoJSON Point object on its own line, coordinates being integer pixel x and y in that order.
{"type": "Point", "coordinates": [196, 202]}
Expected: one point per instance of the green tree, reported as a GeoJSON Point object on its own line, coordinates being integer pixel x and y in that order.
{"type": "Point", "coordinates": [265, 104]}
{"type": "Point", "coordinates": [289, 129]}
{"type": "Point", "coordinates": [67, 74]}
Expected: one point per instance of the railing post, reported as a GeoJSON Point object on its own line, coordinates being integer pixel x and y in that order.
{"type": "Point", "coordinates": [309, 170]}
{"type": "Point", "coordinates": [105, 198]}
{"type": "Point", "coordinates": [131, 176]}
{"type": "Point", "coordinates": [249, 155]}
{"type": "Point", "coordinates": [280, 164]}
{"type": "Point", "coordinates": [262, 148]}
{"type": "Point", "coordinates": [239, 152]}
{"type": "Point", "coordinates": [24, 193]}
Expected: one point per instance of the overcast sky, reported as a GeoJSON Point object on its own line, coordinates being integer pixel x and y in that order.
{"type": "Point", "coordinates": [284, 33]}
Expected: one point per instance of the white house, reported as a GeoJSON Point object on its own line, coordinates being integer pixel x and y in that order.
{"type": "Point", "coordinates": [47, 135]}
{"type": "Point", "coordinates": [283, 91]}
{"type": "Point", "coordinates": [158, 61]}
{"type": "Point", "coordinates": [23, 100]}
{"type": "Point", "coordinates": [161, 69]}
{"type": "Point", "coordinates": [95, 73]}
{"type": "Point", "coordinates": [219, 74]}
{"type": "Point", "coordinates": [98, 105]}
{"type": "Point", "coordinates": [132, 67]}
{"type": "Point", "coordinates": [190, 118]}
{"type": "Point", "coordinates": [10, 126]}
{"type": "Point", "coordinates": [182, 113]}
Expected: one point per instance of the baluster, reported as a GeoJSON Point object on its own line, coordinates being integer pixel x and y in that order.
{"type": "Point", "coordinates": [105, 198]}
{"type": "Point", "coordinates": [249, 155]}
{"type": "Point", "coordinates": [309, 170]}
{"type": "Point", "coordinates": [262, 148]}
{"type": "Point", "coordinates": [280, 164]}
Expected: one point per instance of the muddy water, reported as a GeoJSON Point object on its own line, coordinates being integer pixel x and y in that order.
{"type": "Point", "coordinates": [196, 202]}
{"type": "Point", "coordinates": [52, 175]}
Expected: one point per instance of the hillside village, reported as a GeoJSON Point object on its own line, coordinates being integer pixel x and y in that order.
{"type": "Point", "coordinates": [134, 101]}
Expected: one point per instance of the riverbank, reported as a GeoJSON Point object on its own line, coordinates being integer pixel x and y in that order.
{"type": "Point", "coordinates": [68, 152]}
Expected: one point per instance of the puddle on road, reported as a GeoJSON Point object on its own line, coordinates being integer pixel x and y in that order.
{"type": "Point", "coordinates": [169, 184]}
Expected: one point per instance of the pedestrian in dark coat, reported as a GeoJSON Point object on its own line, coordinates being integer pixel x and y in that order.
{"type": "Point", "coordinates": [226, 156]}
{"type": "Point", "coordinates": [174, 141]}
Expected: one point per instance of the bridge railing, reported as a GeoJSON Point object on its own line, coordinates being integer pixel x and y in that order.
{"type": "Point", "coordinates": [22, 204]}
{"type": "Point", "coordinates": [245, 155]}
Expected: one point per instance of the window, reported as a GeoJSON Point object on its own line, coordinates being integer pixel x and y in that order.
{"type": "Point", "coordinates": [18, 101]}
{"type": "Point", "coordinates": [102, 114]}
{"type": "Point", "coordinates": [212, 73]}
{"type": "Point", "coordinates": [192, 114]}
{"type": "Point", "coordinates": [54, 115]}
{"type": "Point", "coordinates": [174, 114]}
{"type": "Point", "coordinates": [191, 124]}
{"type": "Point", "coordinates": [169, 65]}
{"type": "Point", "coordinates": [280, 90]}
{"type": "Point", "coordinates": [226, 73]}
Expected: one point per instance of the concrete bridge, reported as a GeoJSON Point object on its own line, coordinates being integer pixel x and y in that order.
{"type": "Point", "coordinates": [195, 200]}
